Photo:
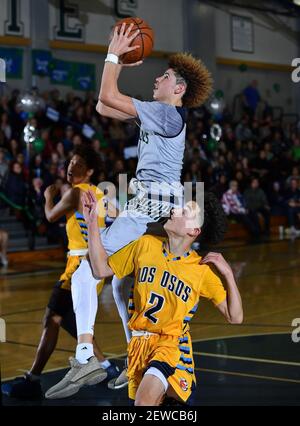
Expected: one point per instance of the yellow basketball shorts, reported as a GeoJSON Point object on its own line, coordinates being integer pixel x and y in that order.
{"type": "Point", "coordinates": [72, 264]}
{"type": "Point", "coordinates": [171, 355]}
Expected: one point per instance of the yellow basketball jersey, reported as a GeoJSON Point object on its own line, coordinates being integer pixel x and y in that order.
{"type": "Point", "coordinates": [167, 288]}
{"type": "Point", "coordinates": [76, 227]}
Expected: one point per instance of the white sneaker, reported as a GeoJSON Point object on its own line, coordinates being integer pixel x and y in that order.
{"type": "Point", "coordinates": [79, 375]}
{"type": "Point", "coordinates": [119, 382]}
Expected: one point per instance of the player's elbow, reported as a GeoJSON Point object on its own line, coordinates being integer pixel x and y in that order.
{"type": "Point", "coordinates": [106, 99]}
{"type": "Point", "coordinates": [236, 319]}
{"type": "Point", "coordinates": [50, 218]}
{"type": "Point", "coordinates": [100, 272]}
{"type": "Point", "coordinates": [100, 108]}
{"type": "Point", "coordinates": [97, 272]}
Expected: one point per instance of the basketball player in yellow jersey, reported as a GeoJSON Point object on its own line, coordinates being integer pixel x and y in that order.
{"type": "Point", "coordinates": [59, 312]}
{"type": "Point", "coordinates": [169, 280]}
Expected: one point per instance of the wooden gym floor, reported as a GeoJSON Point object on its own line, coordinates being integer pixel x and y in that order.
{"type": "Point", "coordinates": [249, 364]}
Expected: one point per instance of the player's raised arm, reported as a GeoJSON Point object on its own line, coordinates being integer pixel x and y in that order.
{"type": "Point", "coordinates": [109, 95]}
{"type": "Point", "coordinates": [231, 308]}
{"type": "Point", "coordinates": [68, 202]}
{"type": "Point", "coordinates": [97, 254]}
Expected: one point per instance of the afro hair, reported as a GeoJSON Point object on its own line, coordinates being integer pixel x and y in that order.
{"type": "Point", "coordinates": [215, 223]}
{"type": "Point", "coordinates": [91, 158]}
{"type": "Point", "coordinates": [196, 75]}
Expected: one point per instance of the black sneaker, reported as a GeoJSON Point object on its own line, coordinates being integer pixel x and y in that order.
{"type": "Point", "coordinates": [113, 371]}
{"type": "Point", "coordinates": [23, 388]}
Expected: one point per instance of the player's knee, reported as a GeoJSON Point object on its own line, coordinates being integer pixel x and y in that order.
{"type": "Point", "coordinates": [75, 280]}
{"type": "Point", "coordinates": [146, 399]}
{"type": "Point", "coordinates": [51, 319]}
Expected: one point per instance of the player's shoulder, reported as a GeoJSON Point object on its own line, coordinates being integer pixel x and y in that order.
{"type": "Point", "coordinates": [150, 241]}
{"type": "Point", "coordinates": [201, 268]}
{"type": "Point", "coordinates": [90, 187]}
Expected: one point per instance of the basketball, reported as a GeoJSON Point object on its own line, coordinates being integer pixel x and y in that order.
{"type": "Point", "coordinates": [144, 39]}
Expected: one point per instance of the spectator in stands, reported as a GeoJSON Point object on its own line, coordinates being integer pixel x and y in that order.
{"type": "Point", "coordinates": [243, 131]}
{"type": "Point", "coordinates": [294, 175]}
{"type": "Point", "coordinates": [49, 145]}
{"type": "Point", "coordinates": [220, 187]}
{"type": "Point", "coordinates": [195, 172]}
{"type": "Point", "coordinates": [13, 149]}
{"type": "Point", "coordinates": [5, 126]}
{"type": "Point", "coordinates": [77, 140]}
{"type": "Point", "coordinates": [3, 168]}
{"type": "Point", "coordinates": [15, 187]}
{"type": "Point", "coordinates": [251, 98]}
{"type": "Point", "coordinates": [68, 139]}
{"type": "Point", "coordinates": [260, 165]}
{"type": "Point", "coordinates": [277, 200]}
{"type": "Point", "coordinates": [37, 168]}
{"type": "Point", "coordinates": [293, 206]}
{"type": "Point", "coordinates": [250, 151]}
{"type": "Point", "coordinates": [296, 149]}
{"type": "Point", "coordinates": [60, 150]}
{"type": "Point", "coordinates": [257, 204]}
{"type": "Point", "coordinates": [234, 208]}
{"type": "Point", "coordinates": [37, 200]}
{"type": "Point", "coordinates": [277, 143]}
{"type": "Point", "coordinates": [3, 247]}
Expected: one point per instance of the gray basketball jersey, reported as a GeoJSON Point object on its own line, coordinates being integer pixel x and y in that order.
{"type": "Point", "coordinates": [161, 141]}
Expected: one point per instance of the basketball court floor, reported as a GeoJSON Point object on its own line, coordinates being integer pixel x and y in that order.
{"type": "Point", "coordinates": [255, 363]}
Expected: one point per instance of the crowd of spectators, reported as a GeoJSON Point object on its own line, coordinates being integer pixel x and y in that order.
{"type": "Point", "coordinates": [253, 169]}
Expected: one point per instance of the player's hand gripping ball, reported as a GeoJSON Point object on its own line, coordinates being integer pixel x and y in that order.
{"type": "Point", "coordinates": [144, 39]}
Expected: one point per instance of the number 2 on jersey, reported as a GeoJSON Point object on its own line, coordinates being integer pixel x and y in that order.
{"type": "Point", "coordinates": [157, 301]}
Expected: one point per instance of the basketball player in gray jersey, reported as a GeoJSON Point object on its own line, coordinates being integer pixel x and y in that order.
{"type": "Point", "coordinates": [186, 83]}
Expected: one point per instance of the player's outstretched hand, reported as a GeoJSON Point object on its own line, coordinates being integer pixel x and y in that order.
{"type": "Point", "coordinates": [89, 206]}
{"type": "Point", "coordinates": [219, 262]}
{"type": "Point", "coordinates": [120, 43]}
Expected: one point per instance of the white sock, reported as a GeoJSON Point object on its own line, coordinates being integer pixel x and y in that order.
{"type": "Point", "coordinates": [84, 351]}
{"type": "Point", "coordinates": [105, 364]}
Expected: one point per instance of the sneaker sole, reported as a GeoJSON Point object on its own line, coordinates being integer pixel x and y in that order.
{"type": "Point", "coordinates": [98, 379]}
{"type": "Point", "coordinates": [115, 387]}
{"type": "Point", "coordinates": [64, 393]}
{"type": "Point", "coordinates": [73, 387]}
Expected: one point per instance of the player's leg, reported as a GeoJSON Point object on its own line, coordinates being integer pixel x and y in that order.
{"type": "Point", "coordinates": [121, 290]}
{"type": "Point", "coordinates": [3, 247]}
{"type": "Point", "coordinates": [122, 231]}
{"type": "Point", "coordinates": [152, 389]}
{"type": "Point", "coordinates": [111, 369]}
{"type": "Point", "coordinates": [85, 367]}
{"type": "Point", "coordinates": [85, 304]}
{"type": "Point", "coordinates": [182, 382]}
{"type": "Point", "coordinates": [48, 341]}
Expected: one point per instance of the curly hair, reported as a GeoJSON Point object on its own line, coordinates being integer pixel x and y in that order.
{"type": "Point", "coordinates": [91, 158]}
{"type": "Point", "coordinates": [197, 77]}
{"type": "Point", "coordinates": [215, 221]}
